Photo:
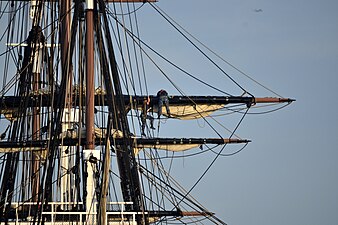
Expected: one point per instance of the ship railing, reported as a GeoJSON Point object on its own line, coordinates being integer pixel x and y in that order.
{"type": "Point", "coordinates": [124, 216]}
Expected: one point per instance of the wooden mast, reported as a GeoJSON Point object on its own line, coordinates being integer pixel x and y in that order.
{"type": "Point", "coordinates": [90, 74]}
{"type": "Point", "coordinates": [37, 56]}
{"type": "Point", "coordinates": [130, 184]}
{"type": "Point", "coordinates": [90, 152]}
{"type": "Point", "coordinates": [68, 116]}
{"type": "Point", "coordinates": [36, 43]}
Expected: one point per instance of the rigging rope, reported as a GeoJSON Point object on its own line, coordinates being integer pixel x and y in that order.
{"type": "Point", "coordinates": [164, 74]}
{"type": "Point", "coordinates": [199, 49]}
{"type": "Point", "coordinates": [216, 54]}
{"type": "Point", "coordinates": [216, 157]}
{"type": "Point", "coordinates": [139, 42]}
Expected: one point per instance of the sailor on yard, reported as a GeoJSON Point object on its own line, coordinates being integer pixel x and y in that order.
{"type": "Point", "coordinates": [163, 100]}
{"type": "Point", "coordinates": [145, 116]}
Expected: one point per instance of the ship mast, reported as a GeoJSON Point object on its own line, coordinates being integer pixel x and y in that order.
{"type": "Point", "coordinates": [90, 74]}
{"type": "Point", "coordinates": [130, 184]}
{"type": "Point", "coordinates": [37, 42]}
{"type": "Point", "coordinates": [90, 151]}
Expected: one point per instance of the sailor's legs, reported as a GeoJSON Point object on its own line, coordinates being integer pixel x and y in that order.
{"type": "Point", "coordinates": [166, 102]}
{"type": "Point", "coordinates": [151, 119]}
{"type": "Point", "coordinates": [163, 100]}
{"type": "Point", "coordinates": [143, 123]}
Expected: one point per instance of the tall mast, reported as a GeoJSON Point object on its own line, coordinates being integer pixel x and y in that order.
{"type": "Point", "coordinates": [90, 151]}
{"type": "Point", "coordinates": [37, 47]}
{"type": "Point", "coordinates": [128, 168]}
{"type": "Point", "coordinates": [68, 115]}
{"type": "Point", "coordinates": [90, 74]}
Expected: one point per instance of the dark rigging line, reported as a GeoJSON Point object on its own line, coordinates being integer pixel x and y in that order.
{"type": "Point", "coordinates": [130, 12]}
{"type": "Point", "coordinates": [171, 63]}
{"type": "Point", "coordinates": [216, 157]}
{"type": "Point", "coordinates": [173, 84]}
{"type": "Point", "coordinates": [200, 50]}
{"type": "Point", "coordinates": [217, 55]}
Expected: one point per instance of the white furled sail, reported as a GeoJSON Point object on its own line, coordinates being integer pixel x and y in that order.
{"type": "Point", "coordinates": [191, 112]}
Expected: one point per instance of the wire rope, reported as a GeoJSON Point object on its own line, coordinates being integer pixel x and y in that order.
{"type": "Point", "coordinates": [215, 158]}
{"type": "Point", "coordinates": [139, 42]}
{"type": "Point", "coordinates": [216, 54]}
{"type": "Point", "coordinates": [199, 49]}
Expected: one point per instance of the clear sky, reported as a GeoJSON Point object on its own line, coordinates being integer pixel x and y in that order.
{"type": "Point", "coordinates": [289, 173]}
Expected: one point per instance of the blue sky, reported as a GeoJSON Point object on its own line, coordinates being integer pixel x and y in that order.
{"type": "Point", "coordinates": [288, 174]}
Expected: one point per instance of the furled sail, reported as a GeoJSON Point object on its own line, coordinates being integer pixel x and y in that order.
{"type": "Point", "coordinates": [181, 107]}
{"type": "Point", "coordinates": [190, 112]}
{"type": "Point", "coordinates": [70, 138]}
